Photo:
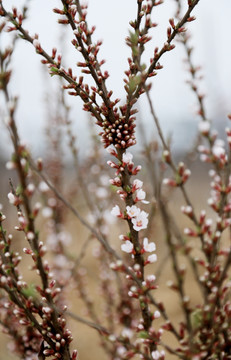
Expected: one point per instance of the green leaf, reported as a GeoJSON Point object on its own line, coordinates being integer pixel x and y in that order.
{"type": "Point", "coordinates": [143, 335]}
{"type": "Point", "coordinates": [133, 83]}
{"type": "Point", "coordinates": [30, 291]}
{"type": "Point", "coordinates": [196, 318]}
{"type": "Point", "coordinates": [134, 38]}
{"type": "Point", "coordinates": [54, 71]}
{"type": "Point", "coordinates": [19, 190]}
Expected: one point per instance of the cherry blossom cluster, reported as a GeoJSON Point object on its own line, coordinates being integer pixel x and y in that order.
{"type": "Point", "coordinates": [132, 193]}
{"type": "Point", "coordinates": [131, 340]}
{"type": "Point", "coordinates": [216, 151]}
{"type": "Point", "coordinates": [135, 338]}
{"type": "Point", "coordinates": [133, 214]}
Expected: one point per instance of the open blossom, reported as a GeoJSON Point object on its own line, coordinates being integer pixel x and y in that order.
{"type": "Point", "coordinates": [140, 196]}
{"type": "Point", "coordinates": [116, 211]}
{"type": "Point", "coordinates": [158, 354]}
{"type": "Point", "coordinates": [137, 184]}
{"type": "Point", "coordinates": [132, 211]}
{"type": "Point", "coordinates": [127, 158]}
{"type": "Point", "coordinates": [127, 247]}
{"type": "Point", "coordinates": [140, 221]}
{"type": "Point", "coordinates": [152, 258]}
{"type": "Point", "coordinates": [148, 247]}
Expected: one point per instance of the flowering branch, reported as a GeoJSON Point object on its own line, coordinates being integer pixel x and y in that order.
{"type": "Point", "coordinates": [128, 325]}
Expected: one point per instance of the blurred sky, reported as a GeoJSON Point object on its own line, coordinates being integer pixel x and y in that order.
{"type": "Point", "coordinates": [174, 103]}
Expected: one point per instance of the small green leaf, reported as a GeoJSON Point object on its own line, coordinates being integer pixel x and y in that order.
{"type": "Point", "coordinates": [133, 83]}
{"type": "Point", "coordinates": [19, 190]}
{"type": "Point", "coordinates": [143, 335]}
{"type": "Point", "coordinates": [54, 71]}
{"type": "Point", "coordinates": [30, 291]}
{"type": "Point", "coordinates": [128, 189]}
{"type": "Point", "coordinates": [196, 318]}
{"type": "Point", "coordinates": [134, 38]}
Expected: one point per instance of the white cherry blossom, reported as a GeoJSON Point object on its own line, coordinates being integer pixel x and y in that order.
{"type": "Point", "coordinates": [140, 221]}
{"type": "Point", "coordinates": [148, 247]}
{"type": "Point", "coordinates": [127, 247]}
{"type": "Point", "coordinates": [137, 184]}
{"type": "Point", "coordinates": [140, 196]}
{"type": "Point", "coordinates": [116, 211]}
{"type": "Point", "coordinates": [152, 258]}
{"type": "Point", "coordinates": [127, 158]}
{"type": "Point", "coordinates": [132, 211]}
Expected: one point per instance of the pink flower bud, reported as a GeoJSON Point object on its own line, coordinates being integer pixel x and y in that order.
{"type": "Point", "coordinates": [74, 355]}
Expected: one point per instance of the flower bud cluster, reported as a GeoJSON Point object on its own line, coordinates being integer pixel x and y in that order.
{"type": "Point", "coordinates": [137, 217]}
{"type": "Point", "coordinates": [208, 319]}
{"type": "Point", "coordinates": [181, 176]}
{"type": "Point", "coordinates": [216, 153]}
{"type": "Point", "coordinates": [26, 340]}
{"type": "Point", "coordinates": [119, 133]}
{"type": "Point", "coordinates": [118, 130]}
{"type": "Point", "coordinates": [38, 305]}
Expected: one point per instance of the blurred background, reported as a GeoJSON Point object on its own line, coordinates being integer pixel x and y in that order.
{"type": "Point", "coordinates": [174, 103]}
